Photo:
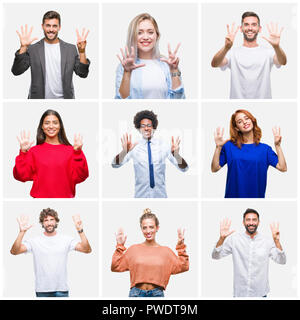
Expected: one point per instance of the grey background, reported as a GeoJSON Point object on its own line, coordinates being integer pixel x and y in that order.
{"type": "Point", "coordinates": [215, 83]}
{"type": "Point", "coordinates": [175, 118]}
{"type": "Point", "coordinates": [268, 115]}
{"type": "Point", "coordinates": [177, 22]}
{"type": "Point", "coordinates": [217, 275]}
{"type": "Point", "coordinates": [77, 117]}
{"type": "Point", "coordinates": [83, 269]}
{"type": "Point", "coordinates": [172, 215]}
{"type": "Point", "coordinates": [73, 15]}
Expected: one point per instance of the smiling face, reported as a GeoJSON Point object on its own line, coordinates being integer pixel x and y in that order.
{"type": "Point", "coordinates": [243, 123]}
{"type": "Point", "coordinates": [51, 126]}
{"type": "Point", "coordinates": [146, 38]}
{"type": "Point", "coordinates": [251, 223]}
{"type": "Point", "coordinates": [146, 128]}
{"type": "Point", "coordinates": [51, 28]}
{"type": "Point", "coordinates": [250, 28]}
{"type": "Point", "coordinates": [149, 229]}
{"type": "Point", "coordinates": [49, 224]}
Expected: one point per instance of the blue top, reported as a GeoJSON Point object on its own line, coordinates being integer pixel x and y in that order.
{"type": "Point", "coordinates": [136, 83]}
{"type": "Point", "coordinates": [247, 169]}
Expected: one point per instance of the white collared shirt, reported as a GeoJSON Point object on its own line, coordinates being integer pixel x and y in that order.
{"type": "Point", "coordinates": [139, 154]}
{"type": "Point", "coordinates": [250, 262]}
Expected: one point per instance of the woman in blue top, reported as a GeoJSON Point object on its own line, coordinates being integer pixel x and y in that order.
{"type": "Point", "coordinates": [247, 159]}
{"type": "Point", "coordinates": [143, 74]}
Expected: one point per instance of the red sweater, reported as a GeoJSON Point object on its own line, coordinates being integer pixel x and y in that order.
{"type": "Point", "coordinates": [54, 169]}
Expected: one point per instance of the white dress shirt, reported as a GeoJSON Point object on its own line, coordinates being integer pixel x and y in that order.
{"type": "Point", "coordinates": [139, 154]}
{"type": "Point", "coordinates": [250, 262]}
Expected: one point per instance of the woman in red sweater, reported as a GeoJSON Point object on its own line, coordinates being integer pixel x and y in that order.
{"type": "Point", "coordinates": [150, 264]}
{"type": "Point", "coordinates": [54, 165]}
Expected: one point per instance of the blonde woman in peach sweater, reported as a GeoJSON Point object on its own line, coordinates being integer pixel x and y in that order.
{"type": "Point", "coordinates": [149, 263]}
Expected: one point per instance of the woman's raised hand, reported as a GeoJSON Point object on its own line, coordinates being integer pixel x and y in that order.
{"type": "Point", "coordinates": [121, 237]}
{"type": "Point", "coordinates": [78, 142]}
{"type": "Point", "coordinates": [128, 60]}
{"type": "Point", "coordinates": [277, 136]}
{"type": "Point", "coordinates": [172, 60]}
{"type": "Point", "coordinates": [218, 134]}
{"type": "Point", "coordinates": [24, 140]}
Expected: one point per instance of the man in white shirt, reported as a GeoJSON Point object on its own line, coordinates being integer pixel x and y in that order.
{"type": "Point", "coordinates": [50, 252]}
{"type": "Point", "coordinates": [52, 61]}
{"type": "Point", "coordinates": [250, 253]}
{"type": "Point", "coordinates": [149, 155]}
{"type": "Point", "coordinates": [250, 64]}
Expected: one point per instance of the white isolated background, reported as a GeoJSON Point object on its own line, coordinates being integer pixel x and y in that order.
{"type": "Point", "coordinates": [78, 117]}
{"type": "Point", "coordinates": [73, 16]}
{"type": "Point", "coordinates": [268, 115]}
{"type": "Point", "coordinates": [217, 275]}
{"type": "Point", "coordinates": [215, 83]}
{"type": "Point", "coordinates": [171, 215]}
{"type": "Point", "coordinates": [83, 269]}
{"type": "Point", "coordinates": [174, 119]}
{"type": "Point", "coordinates": [177, 22]}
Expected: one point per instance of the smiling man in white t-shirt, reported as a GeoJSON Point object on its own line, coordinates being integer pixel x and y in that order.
{"type": "Point", "coordinates": [50, 252]}
{"type": "Point", "coordinates": [250, 64]}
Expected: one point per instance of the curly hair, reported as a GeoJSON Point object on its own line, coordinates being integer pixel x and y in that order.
{"type": "Point", "coordinates": [145, 114]}
{"type": "Point", "coordinates": [48, 212]}
{"type": "Point", "coordinates": [236, 136]}
{"type": "Point", "coordinates": [149, 215]}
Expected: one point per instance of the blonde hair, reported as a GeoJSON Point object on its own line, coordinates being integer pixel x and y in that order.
{"type": "Point", "coordinates": [147, 214]}
{"type": "Point", "coordinates": [133, 31]}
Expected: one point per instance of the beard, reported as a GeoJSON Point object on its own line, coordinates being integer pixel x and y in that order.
{"type": "Point", "coordinates": [50, 229]}
{"type": "Point", "coordinates": [250, 39]}
{"type": "Point", "coordinates": [46, 36]}
{"type": "Point", "coordinates": [251, 231]}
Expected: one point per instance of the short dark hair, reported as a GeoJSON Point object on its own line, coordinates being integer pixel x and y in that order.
{"type": "Point", "coordinates": [249, 210]}
{"type": "Point", "coordinates": [48, 212]}
{"type": "Point", "coordinates": [145, 114]}
{"type": "Point", "coordinates": [51, 15]}
{"type": "Point", "coordinates": [250, 14]}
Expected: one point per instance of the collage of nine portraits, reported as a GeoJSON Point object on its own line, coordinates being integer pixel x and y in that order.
{"type": "Point", "coordinates": [139, 150]}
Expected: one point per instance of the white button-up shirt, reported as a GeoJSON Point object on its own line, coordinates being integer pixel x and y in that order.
{"type": "Point", "coordinates": [139, 154]}
{"type": "Point", "coordinates": [250, 262]}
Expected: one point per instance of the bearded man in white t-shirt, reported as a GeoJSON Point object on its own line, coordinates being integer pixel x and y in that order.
{"type": "Point", "coordinates": [250, 64]}
{"type": "Point", "coordinates": [51, 60]}
{"type": "Point", "coordinates": [50, 252]}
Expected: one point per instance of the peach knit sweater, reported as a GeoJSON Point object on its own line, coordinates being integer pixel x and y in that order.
{"type": "Point", "coordinates": [149, 264]}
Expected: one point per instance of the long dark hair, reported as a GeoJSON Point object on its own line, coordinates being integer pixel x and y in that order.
{"type": "Point", "coordinates": [40, 135]}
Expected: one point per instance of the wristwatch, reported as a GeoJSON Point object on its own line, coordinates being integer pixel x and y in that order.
{"type": "Point", "coordinates": [80, 231]}
{"type": "Point", "coordinates": [176, 74]}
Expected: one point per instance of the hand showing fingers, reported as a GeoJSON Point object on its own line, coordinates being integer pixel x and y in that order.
{"type": "Point", "coordinates": [78, 142]}
{"type": "Point", "coordinates": [231, 33]}
{"type": "Point", "coordinates": [24, 141]}
{"type": "Point", "coordinates": [225, 228]}
{"type": "Point", "coordinates": [175, 145]}
{"type": "Point", "coordinates": [277, 136]}
{"type": "Point", "coordinates": [81, 40]}
{"type": "Point", "coordinates": [23, 222]}
{"type": "Point", "coordinates": [218, 136]}
{"type": "Point", "coordinates": [77, 221]}
{"type": "Point", "coordinates": [121, 237]}
{"type": "Point", "coordinates": [127, 144]}
{"type": "Point", "coordinates": [180, 233]}
{"type": "Point", "coordinates": [172, 59]}
{"type": "Point", "coordinates": [275, 231]}
{"type": "Point", "coordinates": [128, 60]}
{"type": "Point", "coordinates": [274, 34]}
{"type": "Point", "coordinates": [25, 36]}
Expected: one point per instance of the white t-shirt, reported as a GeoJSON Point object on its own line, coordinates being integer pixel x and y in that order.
{"type": "Point", "coordinates": [154, 83]}
{"type": "Point", "coordinates": [250, 72]}
{"type": "Point", "coordinates": [53, 81]}
{"type": "Point", "coordinates": [50, 256]}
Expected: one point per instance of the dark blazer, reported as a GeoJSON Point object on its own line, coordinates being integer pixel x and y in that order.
{"type": "Point", "coordinates": [34, 57]}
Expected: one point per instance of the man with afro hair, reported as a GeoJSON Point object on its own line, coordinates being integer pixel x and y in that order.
{"type": "Point", "coordinates": [148, 156]}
